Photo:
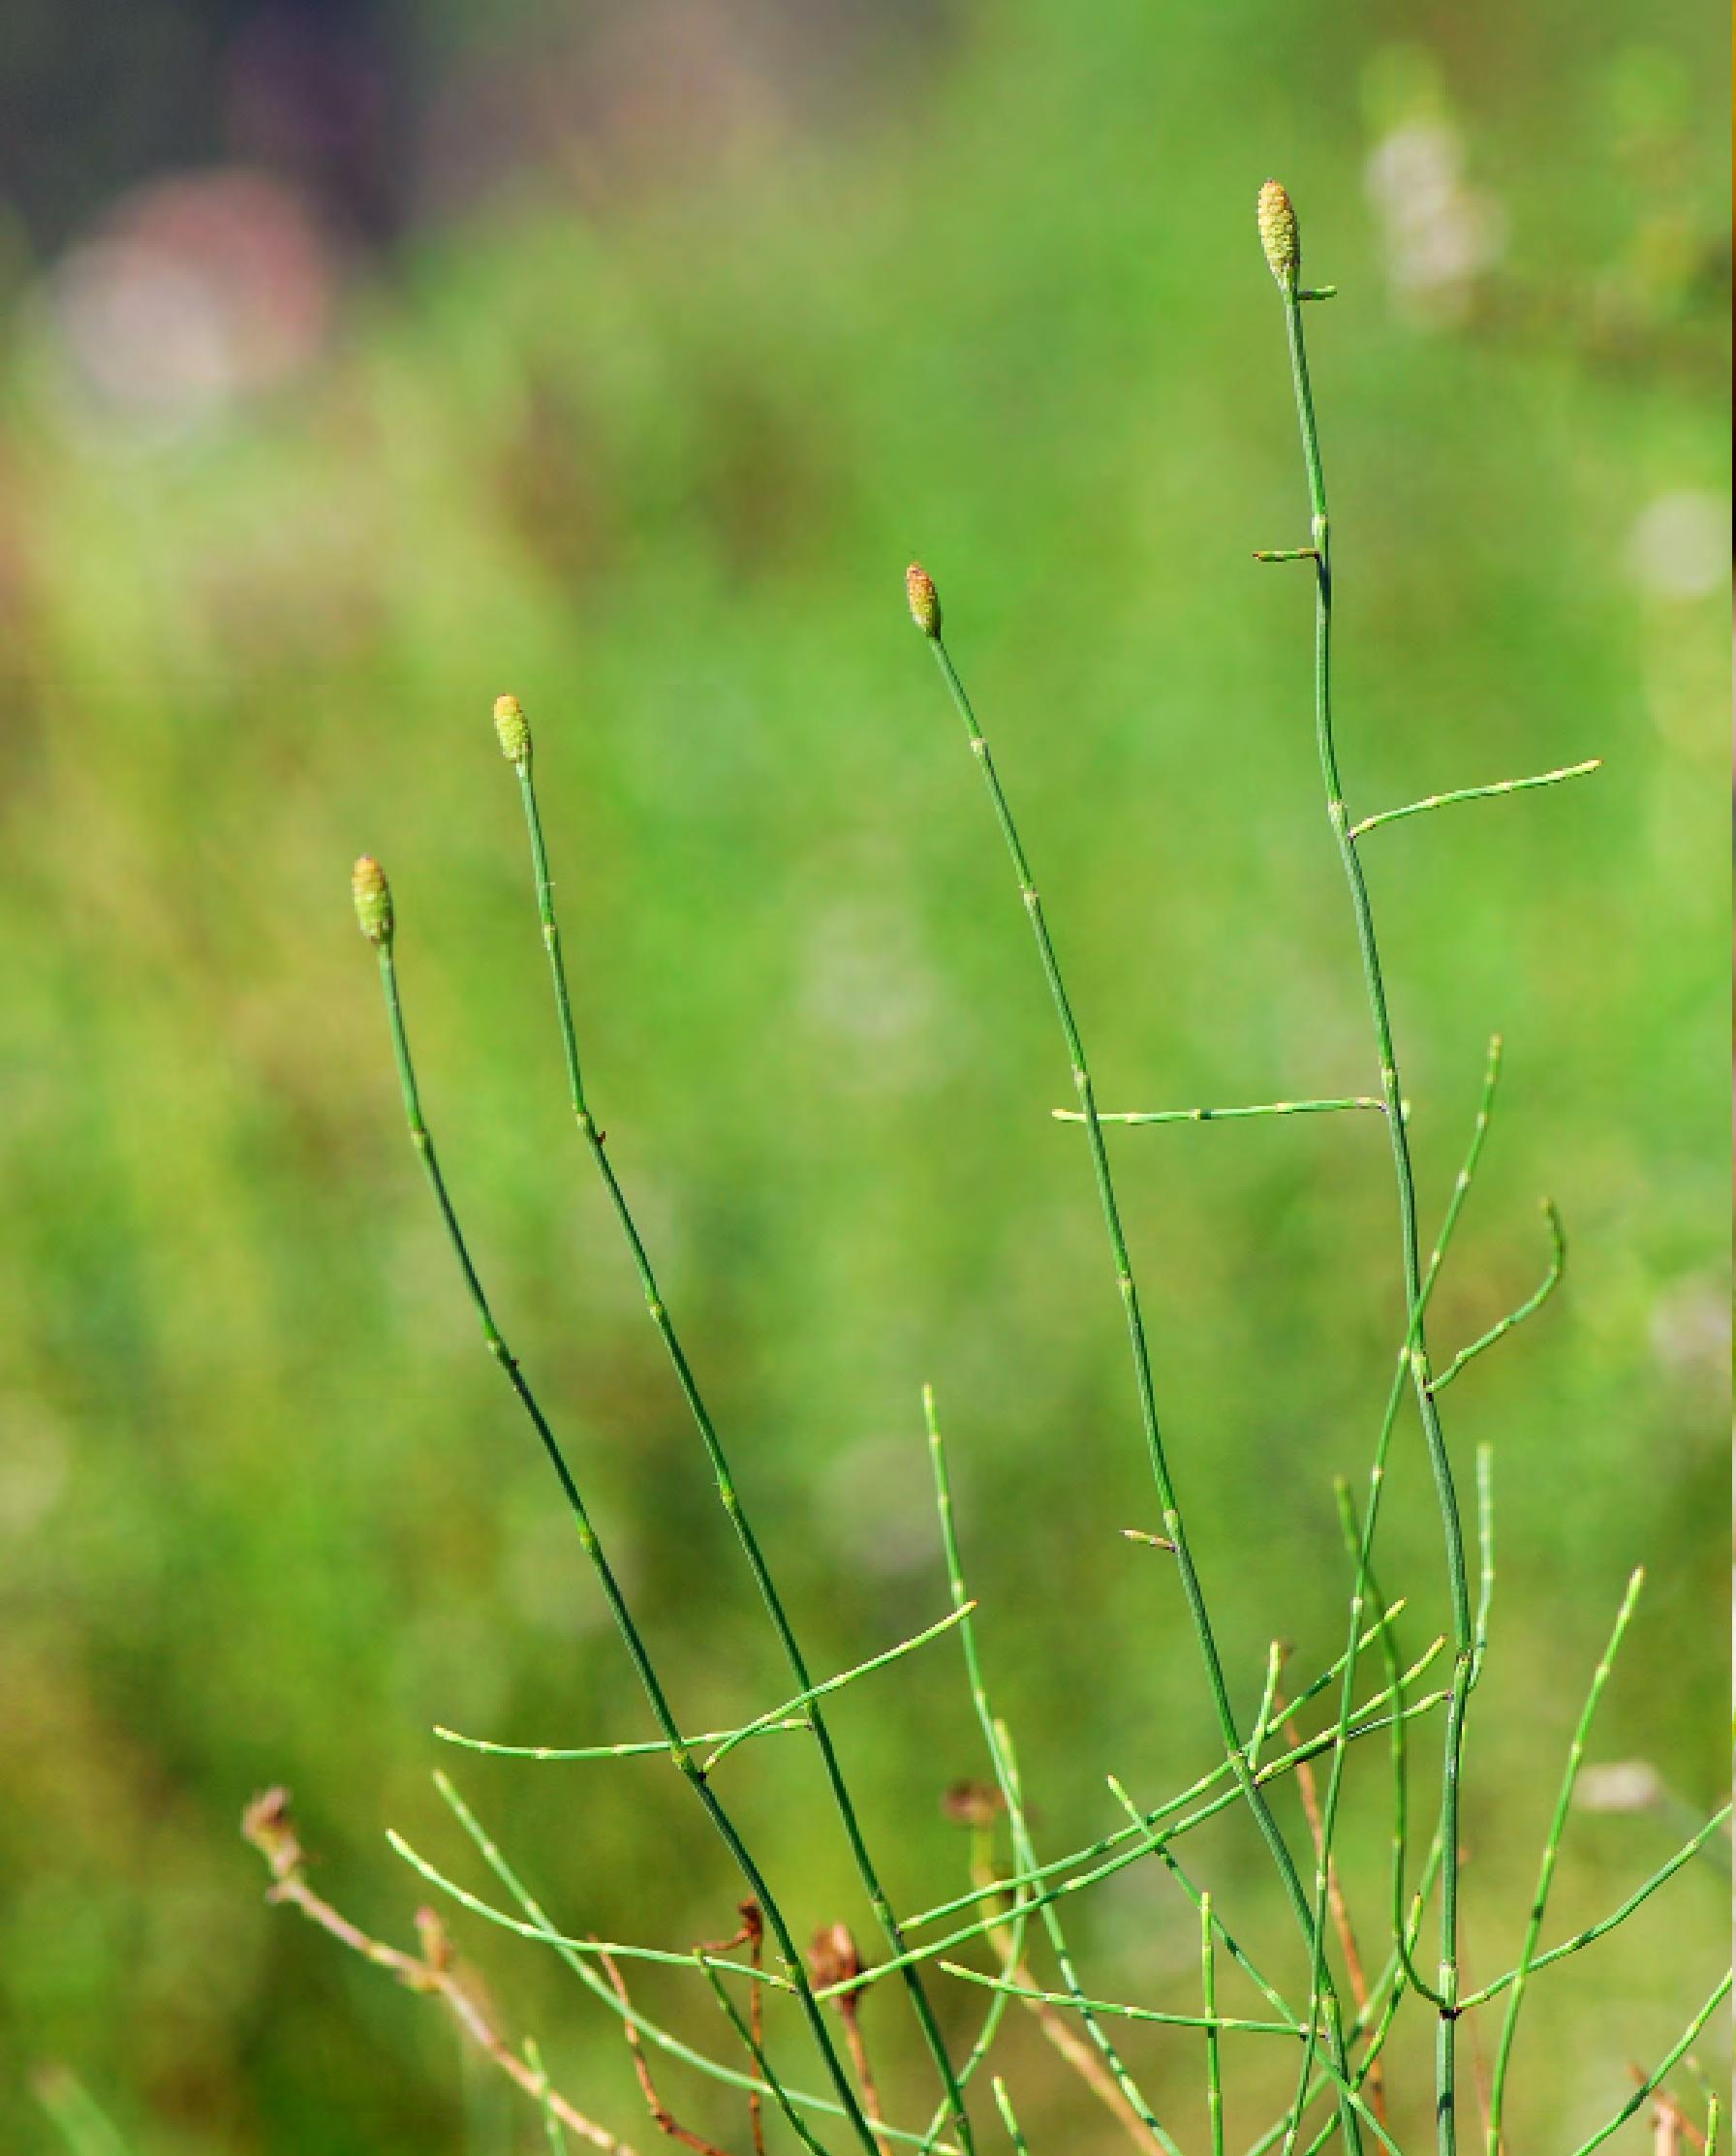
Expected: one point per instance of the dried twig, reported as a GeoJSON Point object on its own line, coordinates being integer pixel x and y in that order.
{"type": "Point", "coordinates": [662, 2117]}
{"type": "Point", "coordinates": [1335, 1900]}
{"type": "Point", "coordinates": [752, 1935]}
{"type": "Point", "coordinates": [266, 1823]}
{"type": "Point", "coordinates": [833, 1958]}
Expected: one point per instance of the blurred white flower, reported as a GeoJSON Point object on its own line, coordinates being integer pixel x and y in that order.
{"type": "Point", "coordinates": [1679, 547]}
{"type": "Point", "coordinates": [194, 294]}
{"type": "Point", "coordinates": [1623, 1785]}
{"type": "Point", "coordinates": [1439, 235]}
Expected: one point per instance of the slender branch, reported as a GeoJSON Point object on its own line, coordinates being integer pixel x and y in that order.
{"type": "Point", "coordinates": [1616, 1917]}
{"type": "Point", "coordinates": [1111, 2006]}
{"type": "Point", "coordinates": [1558, 1827]}
{"type": "Point", "coordinates": [516, 742]}
{"type": "Point", "coordinates": [775, 1720]}
{"type": "Point", "coordinates": [542, 1928]}
{"type": "Point", "coordinates": [1225, 1114]}
{"type": "Point", "coordinates": [1119, 2092]}
{"type": "Point", "coordinates": [1533, 1302]}
{"type": "Point", "coordinates": [1335, 1897]}
{"type": "Point", "coordinates": [662, 2116]}
{"type": "Point", "coordinates": [752, 1935]}
{"type": "Point", "coordinates": [374, 913]}
{"type": "Point", "coordinates": [648, 1748]}
{"type": "Point", "coordinates": [1004, 2105]}
{"type": "Point", "coordinates": [1440, 1463]}
{"type": "Point", "coordinates": [1477, 793]}
{"type": "Point", "coordinates": [1208, 2000]}
{"type": "Point", "coordinates": [925, 610]}
{"type": "Point", "coordinates": [594, 1947]}
{"type": "Point", "coordinates": [1148, 1821]}
{"type": "Point", "coordinates": [1156, 1838]}
{"type": "Point", "coordinates": [267, 1824]}
{"type": "Point", "coordinates": [1720, 1994]}
{"type": "Point", "coordinates": [756, 2047]}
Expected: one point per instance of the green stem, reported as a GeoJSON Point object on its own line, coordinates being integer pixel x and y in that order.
{"type": "Point", "coordinates": [1007, 1782]}
{"type": "Point", "coordinates": [1558, 1265]}
{"type": "Point", "coordinates": [1477, 793]}
{"type": "Point", "coordinates": [1162, 1474]}
{"type": "Point", "coordinates": [1662, 2069]}
{"type": "Point", "coordinates": [1223, 1115]}
{"type": "Point", "coordinates": [679, 1751]}
{"type": "Point", "coordinates": [1558, 1827]}
{"type": "Point", "coordinates": [1168, 1810]}
{"type": "Point", "coordinates": [1441, 1464]}
{"type": "Point", "coordinates": [757, 2051]}
{"type": "Point", "coordinates": [720, 1466]}
{"type": "Point", "coordinates": [568, 1952]}
{"type": "Point", "coordinates": [1009, 2118]}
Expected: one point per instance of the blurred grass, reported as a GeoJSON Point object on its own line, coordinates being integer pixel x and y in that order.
{"type": "Point", "coordinates": [265, 1510]}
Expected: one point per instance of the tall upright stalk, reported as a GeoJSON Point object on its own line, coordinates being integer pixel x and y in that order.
{"type": "Point", "coordinates": [1280, 239]}
{"type": "Point", "coordinates": [515, 744]}
{"type": "Point", "coordinates": [374, 913]}
{"type": "Point", "coordinates": [925, 611]}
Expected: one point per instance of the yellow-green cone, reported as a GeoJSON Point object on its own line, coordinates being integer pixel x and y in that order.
{"type": "Point", "coordinates": [1279, 234]}
{"type": "Point", "coordinates": [373, 900]}
{"type": "Point", "coordinates": [513, 728]}
{"type": "Point", "coordinates": [925, 600]}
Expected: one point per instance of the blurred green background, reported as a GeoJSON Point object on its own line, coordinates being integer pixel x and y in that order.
{"type": "Point", "coordinates": [622, 357]}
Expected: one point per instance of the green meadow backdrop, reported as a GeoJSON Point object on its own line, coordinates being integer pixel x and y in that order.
{"type": "Point", "coordinates": [644, 427]}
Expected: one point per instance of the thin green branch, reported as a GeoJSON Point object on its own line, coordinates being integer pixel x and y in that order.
{"type": "Point", "coordinates": [647, 1748]}
{"type": "Point", "coordinates": [1390, 1990]}
{"type": "Point", "coordinates": [1082, 1880]}
{"type": "Point", "coordinates": [1007, 1782]}
{"type": "Point", "coordinates": [775, 1720]}
{"type": "Point", "coordinates": [1477, 793]}
{"type": "Point", "coordinates": [1558, 1263]}
{"type": "Point", "coordinates": [598, 1948]}
{"type": "Point", "coordinates": [1225, 1114]}
{"type": "Point", "coordinates": [780, 2096]}
{"type": "Point", "coordinates": [926, 608]}
{"type": "Point", "coordinates": [542, 1928]}
{"type": "Point", "coordinates": [1660, 2071]}
{"type": "Point", "coordinates": [1344, 2084]}
{"type": "Point", "coordinates": [1111, 2006]}
{"type": "Point", "coordinates": [1208, 2000]}
{"type": "Point", "coordinates": [1166, 1811]}
{"type": "Point", "coordinates": [1616, 1917]}
{"type": "Point", "coordinates": [1178, 1872]}
{"type": "Point", "coordinates": [1009, 2118]}
{"type": "Point", "coordinates": [376, 919]}
{"type": "Point", "coordinates": [1558, 1827]}
{"type": "Point", "coordinates": [516, 742]}
{"type": "Point", "coordinates": [1440, 1463]}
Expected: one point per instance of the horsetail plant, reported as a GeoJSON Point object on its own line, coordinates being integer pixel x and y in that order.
{"type": "Point", "coordinates": [1335, 2042]}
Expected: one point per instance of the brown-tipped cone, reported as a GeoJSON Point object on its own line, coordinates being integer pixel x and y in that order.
{"type": "Point", "coordinates": [513, 728]}
{"type": "Point", "coordinates": [1279, 234]}
{"type": "Point", "coordinates": [373, 900]}
{"type": "Point", "coordinates": [925, 600]}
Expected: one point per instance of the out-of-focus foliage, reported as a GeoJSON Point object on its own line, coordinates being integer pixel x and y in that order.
{"type": "Point", "coordinates": [650, 443]}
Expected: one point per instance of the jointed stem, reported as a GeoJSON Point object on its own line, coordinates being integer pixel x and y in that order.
{"type": "Point", "coordinates": [1162, 1474]}
{"type": "Point", "coordinates": [1558, 1827]}
{"type": "Point", "coordinates": [1119, 2092]}
{"type": "Point", "coordinates": [679, 1750]}
{"type": "Point", "coordinates": [720, 1466]}
{"type": "Point", "coordinates": [1445, 1487]}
